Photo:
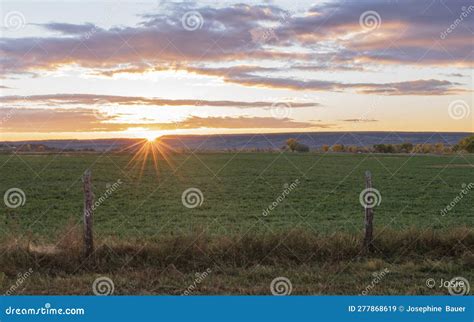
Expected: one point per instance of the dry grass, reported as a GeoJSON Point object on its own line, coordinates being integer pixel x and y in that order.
{"type": "Point", "coordinates": [331, 264]}
{"type": "Point", "coordinates": [198, 250]}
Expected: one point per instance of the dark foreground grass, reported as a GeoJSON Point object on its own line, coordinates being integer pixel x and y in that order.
{"type": "Point", "coordinates": [315, 264]}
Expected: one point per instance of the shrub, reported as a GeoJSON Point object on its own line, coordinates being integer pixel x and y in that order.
{"type": "Point", "coordinates": [439, 148]}
{"type": "Point", "coordinates": [406, 147]}
{"type": "Point", "coordinates": [292, 144]}
{"type": "Point", "coordinates": [465, 144]}
{"type": "Point", "coordinates": [384, 148]}
{"type": "Point", "coordinates": [338, 148]}
{"type": "Point", "coordinates": [300, 147]}
{"type": "Point", "coordinates": [352, 149]}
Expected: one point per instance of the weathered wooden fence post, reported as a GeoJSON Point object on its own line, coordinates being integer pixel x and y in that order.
{"type": "Point", "coordinates": [369, 216]}
{"type": "Point", "coordinates": [88, 213]}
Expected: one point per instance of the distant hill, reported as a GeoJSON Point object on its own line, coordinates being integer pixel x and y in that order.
{"type": "Point", "coordinates": [250, 141]}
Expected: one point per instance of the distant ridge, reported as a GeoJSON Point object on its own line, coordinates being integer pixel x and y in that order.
{"type": "Point", "coordinates": [258, 141]}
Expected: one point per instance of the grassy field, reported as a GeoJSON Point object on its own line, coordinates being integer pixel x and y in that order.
{"type": "Point", "coordinates": [312, 235]}
{"type": "Point", "coordinates": [236, 190]}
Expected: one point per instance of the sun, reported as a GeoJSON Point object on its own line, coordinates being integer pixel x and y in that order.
{"type": "Point", "coordinates": [150, 137]}
{"type": "Point", "coordinates": [144, 134]}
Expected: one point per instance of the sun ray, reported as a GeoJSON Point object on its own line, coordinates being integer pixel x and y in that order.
{"type": "Point", "coordinates": [146, 150]}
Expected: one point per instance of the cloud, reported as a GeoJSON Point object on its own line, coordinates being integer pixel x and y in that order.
{"type": "Point", "coordinates": [158, 39]}
{"type": "Point", "coordinates": [456, 75]}
{"type": "Point", "coordinates": [92, 99]}
{"type": "Point", "coordinates": [86, 120]}
{"type": "Point", "coordinates": [328, 36]}
{"type": "Point", "coordinates": [49, 120]}
{"type": "Point", "coordinates": [409, 31]}
{"type": "Point", "coordinates": [242, 122]}
{"type": "Point", "coordinates": [71, 29]}
{"type": "Point", "coordinates": [418, 87]}
{"type": "Point", "coordinates": [246, 76]}
{"type": "Point", "coordinates": [359, 120]}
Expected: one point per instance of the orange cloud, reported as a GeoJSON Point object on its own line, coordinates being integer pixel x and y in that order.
{"type": "Point", "coordinates": [92, 99]}
{"type": "Point", "coordinates": [83, 120]}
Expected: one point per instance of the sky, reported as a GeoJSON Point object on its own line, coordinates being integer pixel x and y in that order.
{"type": "Point", "coordinates": [105, 69]}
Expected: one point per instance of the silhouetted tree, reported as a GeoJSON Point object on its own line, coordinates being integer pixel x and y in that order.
{"type": "Point", "coordinates": [292, 144]}
{"type": "Point", "coordinates": [300, 147]}
{"type": "Point", "coordinates": [465, 144]}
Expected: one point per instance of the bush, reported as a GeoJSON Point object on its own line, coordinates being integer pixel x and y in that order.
{"type": "Point", "coordinates": [406, 147]}
{"type": "Point", "coordinates": [292, 144]}
{"type": "Point", "coordinates": [353, 148]}
{"type": "Point", "coordinates": [465, 144]}
{"type": "Point", "coordinates": [338, 148]}
{"type": "Point", "coordinates": [384, 148]}
{"type": "Point", "coordinates": [300, 147]}
{"type": "Point", "coordinates": [439, 148]}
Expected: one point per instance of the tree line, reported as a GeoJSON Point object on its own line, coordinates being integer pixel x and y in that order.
{"type": "Point", "coordinates": [465, 145]}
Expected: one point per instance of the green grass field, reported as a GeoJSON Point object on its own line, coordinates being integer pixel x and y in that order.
{"type": "Point", "coordinates": [143, 228]}
{"type": "Point", "coordinates": [236, 190]}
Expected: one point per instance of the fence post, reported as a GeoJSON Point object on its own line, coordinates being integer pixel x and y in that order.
{"type": "Point", "coordinates": [88, 213]}
{"type": "Point", "coordinates": [369, 216]}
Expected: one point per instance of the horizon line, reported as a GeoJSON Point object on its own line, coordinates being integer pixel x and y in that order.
{"type": "Point", "coordinates": [235, 134]}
